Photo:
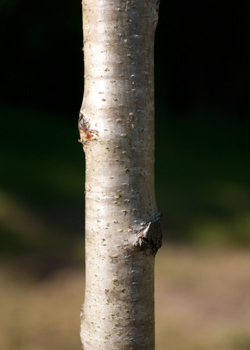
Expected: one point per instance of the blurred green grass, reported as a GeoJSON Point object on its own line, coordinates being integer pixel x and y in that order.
{"type": "Point", "coordinates": [202, 181]}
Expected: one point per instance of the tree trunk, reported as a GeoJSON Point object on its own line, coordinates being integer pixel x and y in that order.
{"type": "Point", "coordinates": [116, 124]}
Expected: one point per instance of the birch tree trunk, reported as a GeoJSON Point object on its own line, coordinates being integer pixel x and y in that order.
{"type": "Point", "coordinates": [116, 124]}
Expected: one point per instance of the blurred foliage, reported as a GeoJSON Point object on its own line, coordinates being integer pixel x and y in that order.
{"type": "Point", "coordinates": [42, 185]}
{"type": "Point", "coordinates": [202, 178]}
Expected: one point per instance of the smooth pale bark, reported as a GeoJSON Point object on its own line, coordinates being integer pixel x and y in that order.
{"type": "Point", "coordinates": [116, 127]}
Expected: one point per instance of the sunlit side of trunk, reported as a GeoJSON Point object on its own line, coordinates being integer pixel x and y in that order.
{"type": "Point", "coordinates": [116, 127]}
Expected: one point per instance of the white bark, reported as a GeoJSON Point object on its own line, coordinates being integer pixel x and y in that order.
{"type": "Point", "coordinates": [116, 127]}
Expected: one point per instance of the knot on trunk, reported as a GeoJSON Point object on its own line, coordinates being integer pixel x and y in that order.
{"type": "Point", "coordinates": [86, 133]}
{"type": "Point", "coordinates": [149, 239]}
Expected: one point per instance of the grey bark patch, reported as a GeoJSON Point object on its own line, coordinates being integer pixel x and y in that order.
{"type": "Point", "coordinates": [149, 239]}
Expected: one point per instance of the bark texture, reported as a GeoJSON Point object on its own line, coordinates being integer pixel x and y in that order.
{"type": "Point", "coordinates": [116, 127]}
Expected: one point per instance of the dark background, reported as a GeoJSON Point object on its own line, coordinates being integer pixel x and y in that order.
{"type": "Point", "coordinates": [202, 55]}
{"type": "Point", "coordinates": [202, 80]}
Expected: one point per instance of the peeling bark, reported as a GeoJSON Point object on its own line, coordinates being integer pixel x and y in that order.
{"type": "Point", "coordinates": [116, 125]}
